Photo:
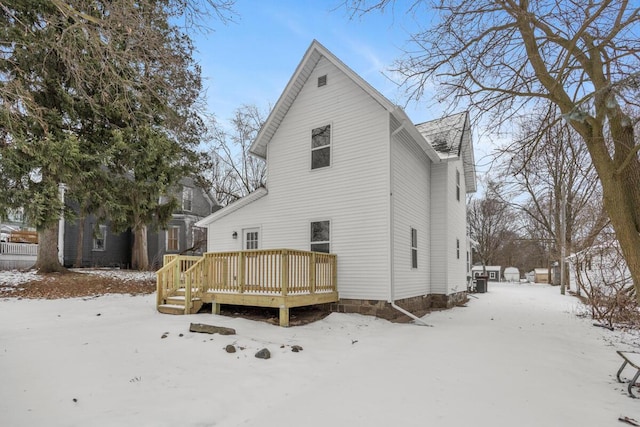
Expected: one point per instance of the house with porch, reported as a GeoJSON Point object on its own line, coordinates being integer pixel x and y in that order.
{"type": "Point", "coordinates": [362, 210]}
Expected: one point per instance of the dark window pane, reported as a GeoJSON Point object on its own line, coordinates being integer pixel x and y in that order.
{"type": "Point", "coordinates": [321, 136]}
{"type": "Point", "coordinates": [414, 258]}
{"type": "Point", "coordinates": [320, 231]}
{"type": "Point", "coordinates": [320, 247]}
{"type": "Point", "coordinates": [320, 158]}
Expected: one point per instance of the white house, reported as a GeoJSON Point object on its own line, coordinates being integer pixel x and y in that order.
{"type": "Point", "coordinates": [349, 173]}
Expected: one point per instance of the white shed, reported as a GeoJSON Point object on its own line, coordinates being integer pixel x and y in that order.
{"type": "Point", "coordinates": [511, 274]}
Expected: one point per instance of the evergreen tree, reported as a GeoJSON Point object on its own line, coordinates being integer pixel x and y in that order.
{"type": "Point", "coordinates": [77, 80]}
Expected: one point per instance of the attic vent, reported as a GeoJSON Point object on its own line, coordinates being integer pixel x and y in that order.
{"type": "Point", "coordinates": [322, 80]}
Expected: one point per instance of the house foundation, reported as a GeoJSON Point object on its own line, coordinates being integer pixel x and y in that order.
{"type": "Point", "coordinates": [418, 306]}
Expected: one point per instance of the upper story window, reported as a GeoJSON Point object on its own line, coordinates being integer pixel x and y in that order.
{"type": "Point", "coordinates": [321, 147]}
{"type": "Point", "coordinates": [321, 236]}
{"type": "Point", "coordinates": [414, 248]}
{"type": "Point", "coordinates": [457, 185]}
{"type": "Point", "coordinates": [187, 198]}
{"type": "Point", "coordinates": [100, 238]}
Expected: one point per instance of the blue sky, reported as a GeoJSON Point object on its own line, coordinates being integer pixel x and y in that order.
{"type": "Point", "coordinates": [251, 60]}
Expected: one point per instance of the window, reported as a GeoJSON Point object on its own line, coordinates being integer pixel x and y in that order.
{"type": "Point", "coordinates": [322, 81]}
{"type": "Point", "coordinates": [187, 198]}
{"type": "Point", "coordinates": [321, 147]}
{"type": "Point", "coordinates": [251, 239]}
{"type": "Point", "coordinates": [414, 248]}
{"type": "Point", "coordinates": [458, 248]}
{"type": "Point", "coordinates": [100, 238]}
{"type": "Point", "coordinates": [457, 186]}
{"type": "Point", "coordinates": [173, 238]}
{"type": "Point", "coordinates": [199, 237]}
{"type": "Point", "coordinates": [321, 236]}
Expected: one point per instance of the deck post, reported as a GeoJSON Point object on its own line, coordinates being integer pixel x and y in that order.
{"type": "Point", "coordinates": [241, 272]}
{"type": "Point", "coordinates": [312, 273]}
{"type": "Point", "coordinates": [176, 275]}
{"type": "Point", "coordinates": [284, 316]}
{"type": "Point", "coordinates": [205, 274]}
{"type": "Point", "coordinates": [284, 285]}
{"type": "Point", "coordinates": [215, 308]}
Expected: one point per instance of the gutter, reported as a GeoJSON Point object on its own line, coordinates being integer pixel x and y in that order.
{"type": "Point", "coordinates": [391, 234]}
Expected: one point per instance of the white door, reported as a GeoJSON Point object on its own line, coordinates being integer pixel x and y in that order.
{"type": "Point", "coordinates": [251, 238]}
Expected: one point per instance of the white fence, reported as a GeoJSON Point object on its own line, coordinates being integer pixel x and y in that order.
{"type": "Point", "coordinates": [17, 255]}
{"type": "Point", "coordinates": [7, 248]}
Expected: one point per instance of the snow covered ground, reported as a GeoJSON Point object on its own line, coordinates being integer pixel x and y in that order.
{"type": "Point", "coordinates": [515, 356]}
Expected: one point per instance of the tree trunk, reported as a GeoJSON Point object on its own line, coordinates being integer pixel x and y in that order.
{"type": "Point", "coordinates": [80, 243]}
{"type": "Point", "coordinates": [620, 178]}
{"type": "Point", "coordinates": [140, 254]}
{"type": "Point", "coordinates": [617, 196]}
{"type": "Point", "coordinates": [48, 261]}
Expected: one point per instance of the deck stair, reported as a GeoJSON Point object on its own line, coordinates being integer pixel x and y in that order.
{"type": "Point", "coordinates": [175, 304]}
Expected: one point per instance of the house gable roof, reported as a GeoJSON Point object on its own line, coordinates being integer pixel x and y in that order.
{"type": "Point", "coordinates": [297, 82]}
{"type": "Point", "coordinates": [232, 207]}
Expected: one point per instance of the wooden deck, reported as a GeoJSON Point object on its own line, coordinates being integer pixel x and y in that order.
{"type": "Point", "coordinates": [278, 278]}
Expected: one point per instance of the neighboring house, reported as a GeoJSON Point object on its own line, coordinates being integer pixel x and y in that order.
{"type": "Point", "coordinates": [104, 248]}
{"type": "Point", "coordinates": [599, 265]}
{"type": "Point", "coordinates": [492, 271]}
{"type": "Point", "coordinates": [18, 242]}
{"type": "Point", "coordinates": [350, 174]}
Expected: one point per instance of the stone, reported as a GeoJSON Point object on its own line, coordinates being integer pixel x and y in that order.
{"type": "Point", "coordinates": [230, 348]}
{"type": "Point", "coordinates": [263, 354]}
{"type": "Point", "coordinates": [210, 329]}
{"type": "Point", "coordinates": [296, 348]}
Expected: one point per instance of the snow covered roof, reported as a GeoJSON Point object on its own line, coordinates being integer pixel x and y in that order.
{"type": "Point", "coordinates": [450, 136]}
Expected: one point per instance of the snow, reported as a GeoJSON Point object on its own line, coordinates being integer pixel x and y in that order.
{"type": "Point", "coordinates": [518, 355]}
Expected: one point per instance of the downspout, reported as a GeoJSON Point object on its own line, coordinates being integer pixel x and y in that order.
{"type": "Point", "coordinates": [391, 234]}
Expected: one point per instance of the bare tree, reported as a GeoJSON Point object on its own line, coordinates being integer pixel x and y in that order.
{"type": "Point", "coordinates": [505, 56]}
{"type": "Point", "coordinates": [234, 172]}
{"type": "Point", "coordinates": [491, 224]}
{"type": "Point", "coordinates": [544, 167]}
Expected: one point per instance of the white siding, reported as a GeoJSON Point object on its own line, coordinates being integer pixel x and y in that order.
{"type": "Point", "coordinates": [352, 193]}
{"type": "Point", "coordinates": [449, 224]}
{"type": "Point", "coordinates": [411, 199]}
{"type": "Point", "coordinates": [440, 241]}
{"type": "Point", "coordinates": [457, 227]}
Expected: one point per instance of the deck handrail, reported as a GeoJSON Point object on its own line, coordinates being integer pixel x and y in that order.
{"type": "Point", "coordinates": [266, 271]}
{"type": "Point", "coordinates": [172, 275]}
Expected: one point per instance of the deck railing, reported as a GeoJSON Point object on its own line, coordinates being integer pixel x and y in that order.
{"type": "Point", "coordinates": [281, 272]}
{"type": "Point", "coordinates": [171, 276]}
{"type": "Point", "coordinates": [272, 271]}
